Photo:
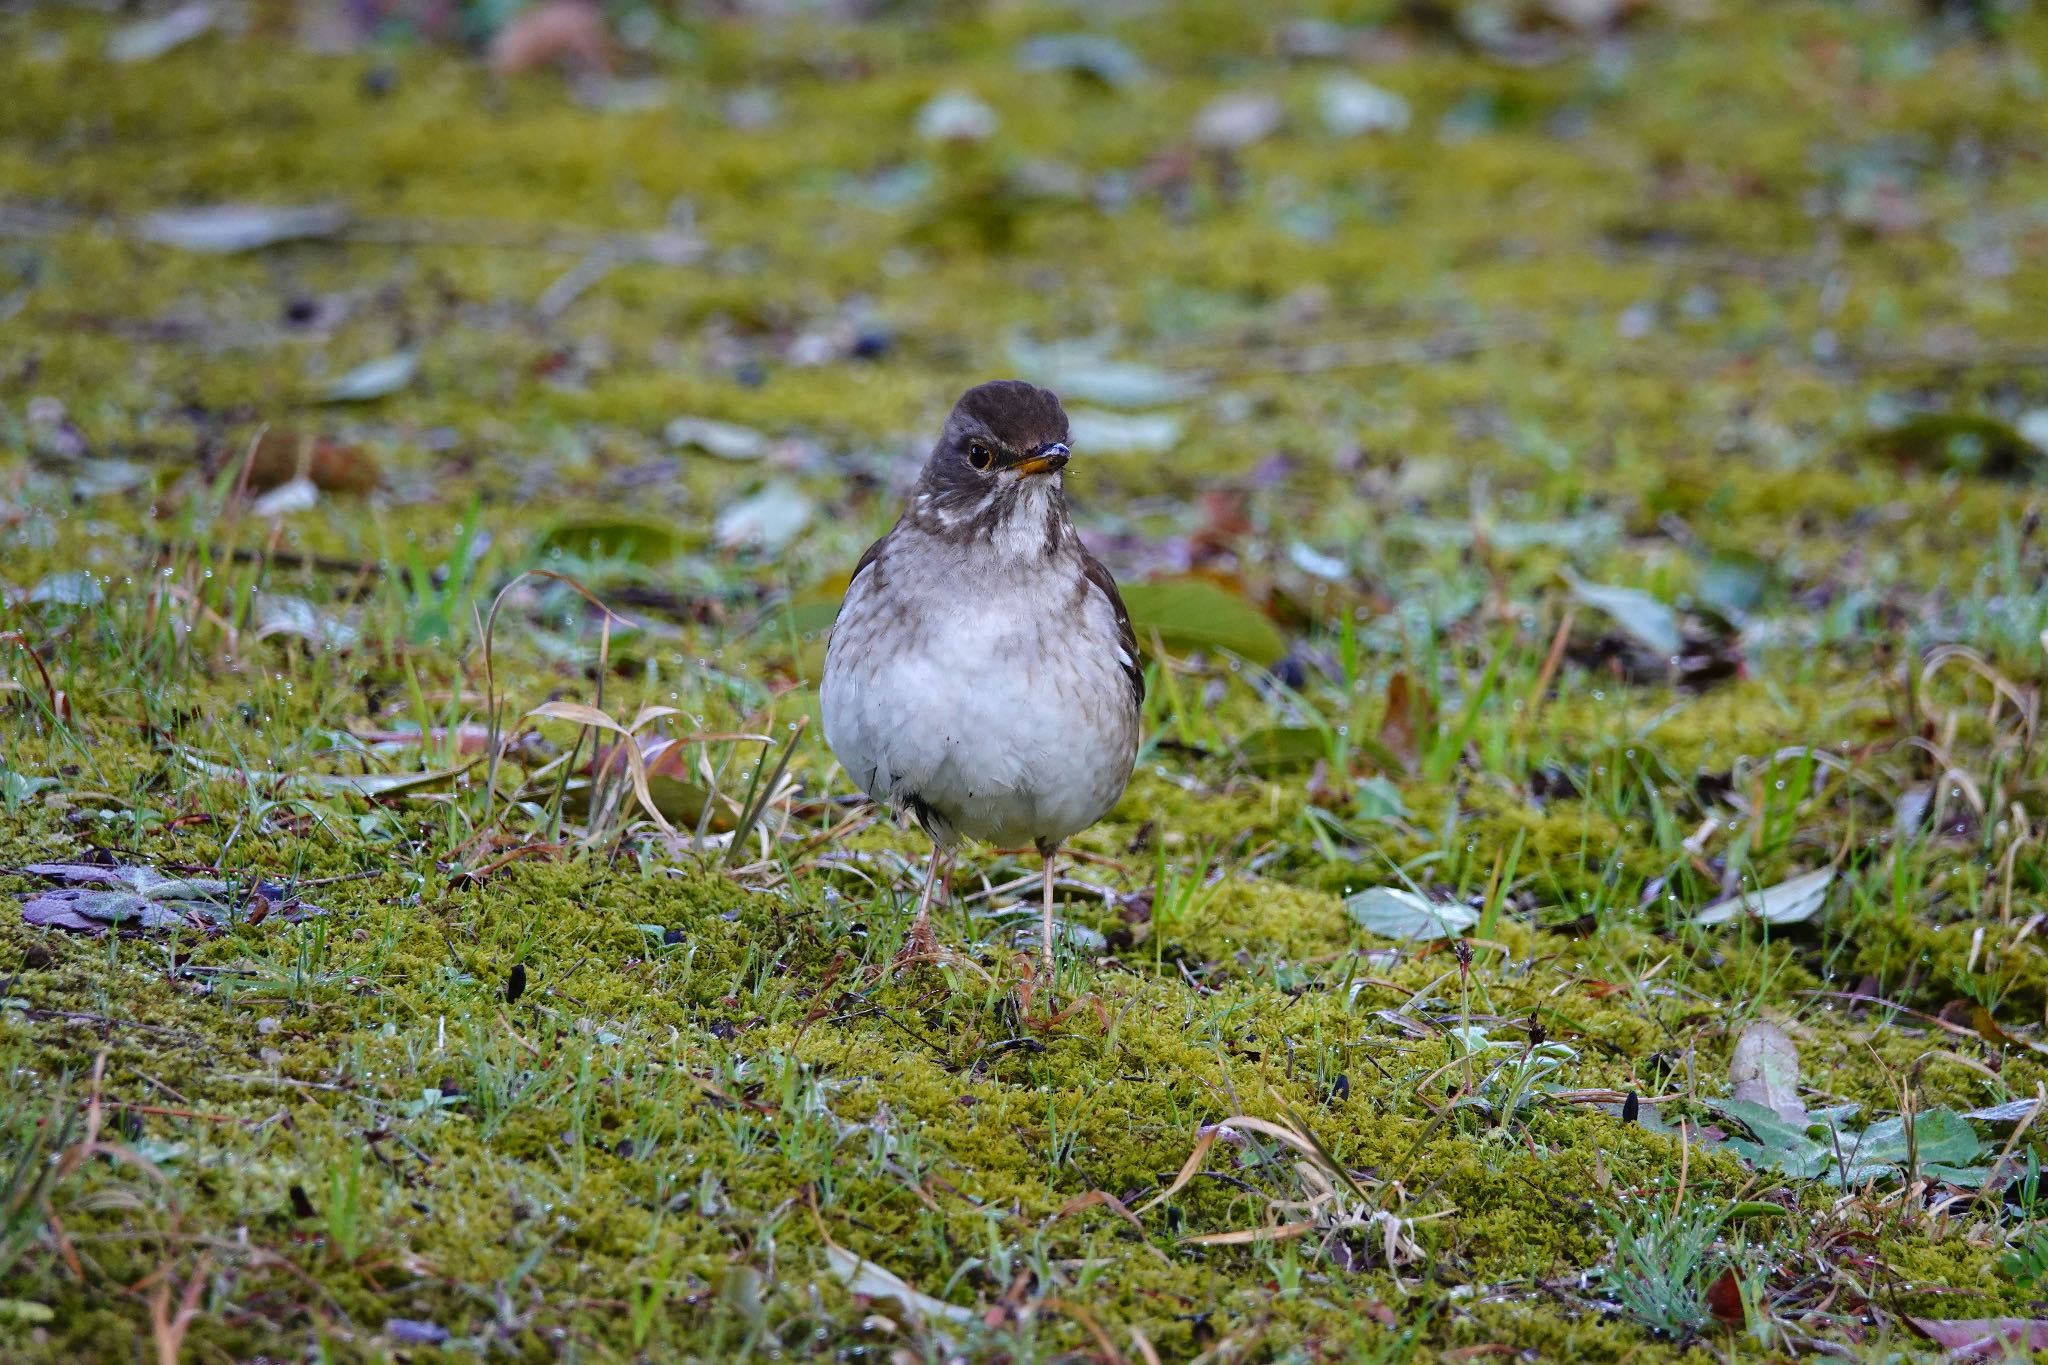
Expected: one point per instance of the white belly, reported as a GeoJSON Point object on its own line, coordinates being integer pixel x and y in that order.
{"type": "Point", "coordinates": [998, 702]}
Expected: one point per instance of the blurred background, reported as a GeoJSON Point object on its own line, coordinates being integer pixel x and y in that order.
{"type": "Point", "coordinates": [1394, 307]}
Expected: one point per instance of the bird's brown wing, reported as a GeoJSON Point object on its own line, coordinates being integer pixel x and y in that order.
{"type": "Point", "coordinates": [869, 557]}
{"type": "Point", "coordinates": [1126, 638]}
{"type": "Point", "coordinates": [860, 568]}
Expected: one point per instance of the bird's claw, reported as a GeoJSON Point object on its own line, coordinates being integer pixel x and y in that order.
{"type": "Point", "coordinates": [919, 945]}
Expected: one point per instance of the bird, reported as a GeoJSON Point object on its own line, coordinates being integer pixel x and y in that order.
{"type": "Point", "coordinates": [982, 674]}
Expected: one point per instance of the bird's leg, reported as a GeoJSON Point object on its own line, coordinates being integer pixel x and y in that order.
{"type": "Point", "coordinates": [1047, 854]}
{"type": "Point", "coordinates": [919, 944]}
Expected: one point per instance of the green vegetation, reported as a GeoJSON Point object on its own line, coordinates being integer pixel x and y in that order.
{"type": "Point", "coordinates": [1636, 457]}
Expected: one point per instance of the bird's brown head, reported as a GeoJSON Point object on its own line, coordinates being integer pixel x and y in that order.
{"type": "Point", "coordinates": [1003, 441]}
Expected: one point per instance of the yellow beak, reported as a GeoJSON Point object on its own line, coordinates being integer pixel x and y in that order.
{"type": "Point", "coordinates": [1046, 460]}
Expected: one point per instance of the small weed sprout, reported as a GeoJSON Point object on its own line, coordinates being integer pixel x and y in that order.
{"type": "Point", "coordinates": [1664, 1262]}
{"type": "Point", "coordinates": [1517, 1075]}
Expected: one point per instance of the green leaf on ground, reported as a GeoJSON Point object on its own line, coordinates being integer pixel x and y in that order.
{"type": "Point", "coordinates": [1196, 613]}
{"type": "Point", "coordinates": [1392, 912]}
{"type": "Point", "coordinates": [1650, 622]}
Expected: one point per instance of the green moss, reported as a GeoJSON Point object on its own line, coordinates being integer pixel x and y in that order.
{"type": "Point", "coordinates": [704, 1075]}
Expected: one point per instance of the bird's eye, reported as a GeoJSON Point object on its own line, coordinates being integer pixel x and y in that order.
{"type": "Point", "coordinates": [978, 456]}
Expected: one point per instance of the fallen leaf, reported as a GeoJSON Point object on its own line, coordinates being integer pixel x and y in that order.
{"type": "Point", "coordinates": [1765, 1070]}
{"type": "Point", "coordinates": [337, 468]}
{"type": "Point", "coordinates": [1649, 621]}
{"type": "Point", "coordinates": [1094, 1199]}
{"type": "Point", "coordinates": [1988, 1027]}
{"type": "Point", "coordinates": [412, 1332]}
{"type": "Point", "coordinates": [1375, 798]}
{"type": "Point", "coordinates": [1981, 1338]}
{"type": "Point", "coordinates": [293, 495]}
{"type": "Point", "coordinates": [2012, 1111]}
{"type": "Point", "coordinates": [1410, 717]}
{"type": "Point", "coordinates": [1957, 442]}
{"type": "Point", "coordinates": [147, 39]}
{"type": "Point", "coordinates": [1117, 433]}
{"type": "Point", "coordinates": [1282, 748]}
{"type": "Point", "coordinates": [1789, 902]}
{"type": "Point", "coordinates": [83, 909]}
{"type": "Point", "coordinates": [281, 456]}
{"type": "Point", "coordinates": [1724, 1299]}
{"type": "Point", "coordinates": [1733, 584]}
{"type": "Point", "coordinates": [569, 35]}
{"type": "Point", "coordinates": [1079, 370]}
{"type": "Point", "coordinates": [1283, 1232]}
{"type": "Point", "coordinates": [278, 614]}
{"type": "Point", "coordinates": [864, 1277]}
{"type": "Point", "coordinates": [95, 896]}
{"type": "Point", "coordinates": [725, 440]}
{"type": "Point", "coordinates": [1943, 1146]}
{"type": "Point", "coordinates": [75, 588]}
{"type": "Point", "coordinates": [765, 520]}
{"type": "Point", "coordinates": [107, 477]}
{"type": "Point", "coordinates": [1351, 107]}
{"type": "Point", "coordinates": [1317, 564]}
{"type": "Point", "coordinates": [956, 116]}
{"type": "Point", "coordinates": [1094, 55]}
{"type": "Point", "coordinates": [1232, 122]}
{"type": "Point", "coordinates": [469, 739]}
{"type": "Point", "coordinates": [379, 784]}
{"type": "Point", "coordinates": [378, 378]}
{"type": "Point", "coordinates": [1915, 802]}
{"type": "Point", "coordinates": [225, 229]}
{"type": "Point", "coordinates": [1196, 613]}
{"type": "Point", "coordinates": [1393, 912]}
{"type": "Point", "coordinates": [372, 785]}
{"type": "Point", "coordinates": [641, 540]}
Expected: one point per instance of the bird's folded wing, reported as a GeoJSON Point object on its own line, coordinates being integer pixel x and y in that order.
{"type": "Point", "coordinates": [1126, 638]}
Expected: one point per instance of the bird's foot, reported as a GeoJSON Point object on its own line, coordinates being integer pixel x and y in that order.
{"type": "Point", "coordinates": [920, 944]}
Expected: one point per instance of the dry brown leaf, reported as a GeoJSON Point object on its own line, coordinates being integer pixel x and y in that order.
{"type": "Point", "coordinates": [1724, 1299]}
{"type": "Point", "coordinates": [1282, 1233]}
{"type": "Point", "coordinates": [1410, 714]}
{"type": "Point", "coordinates": [331, 466]}
{"type": "Point", "coordinates": [1188, 1171]}
{"type": "Point", "coordinates": [1988, 1029]}
{"type": "Point", "coordinates": [1097, 1199]}
{"type": "Point", "coordinates": [636, 762]}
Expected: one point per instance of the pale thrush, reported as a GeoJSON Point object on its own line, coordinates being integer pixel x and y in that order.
{"type": "Point", "coordinates": [982, 673]}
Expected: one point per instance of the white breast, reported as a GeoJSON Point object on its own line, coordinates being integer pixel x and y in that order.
{"type": "Point", "coordinates": [987, 686]}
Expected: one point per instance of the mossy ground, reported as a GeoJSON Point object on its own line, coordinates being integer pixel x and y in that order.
{"type": "Point", "coordinates": [1628, 314]}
